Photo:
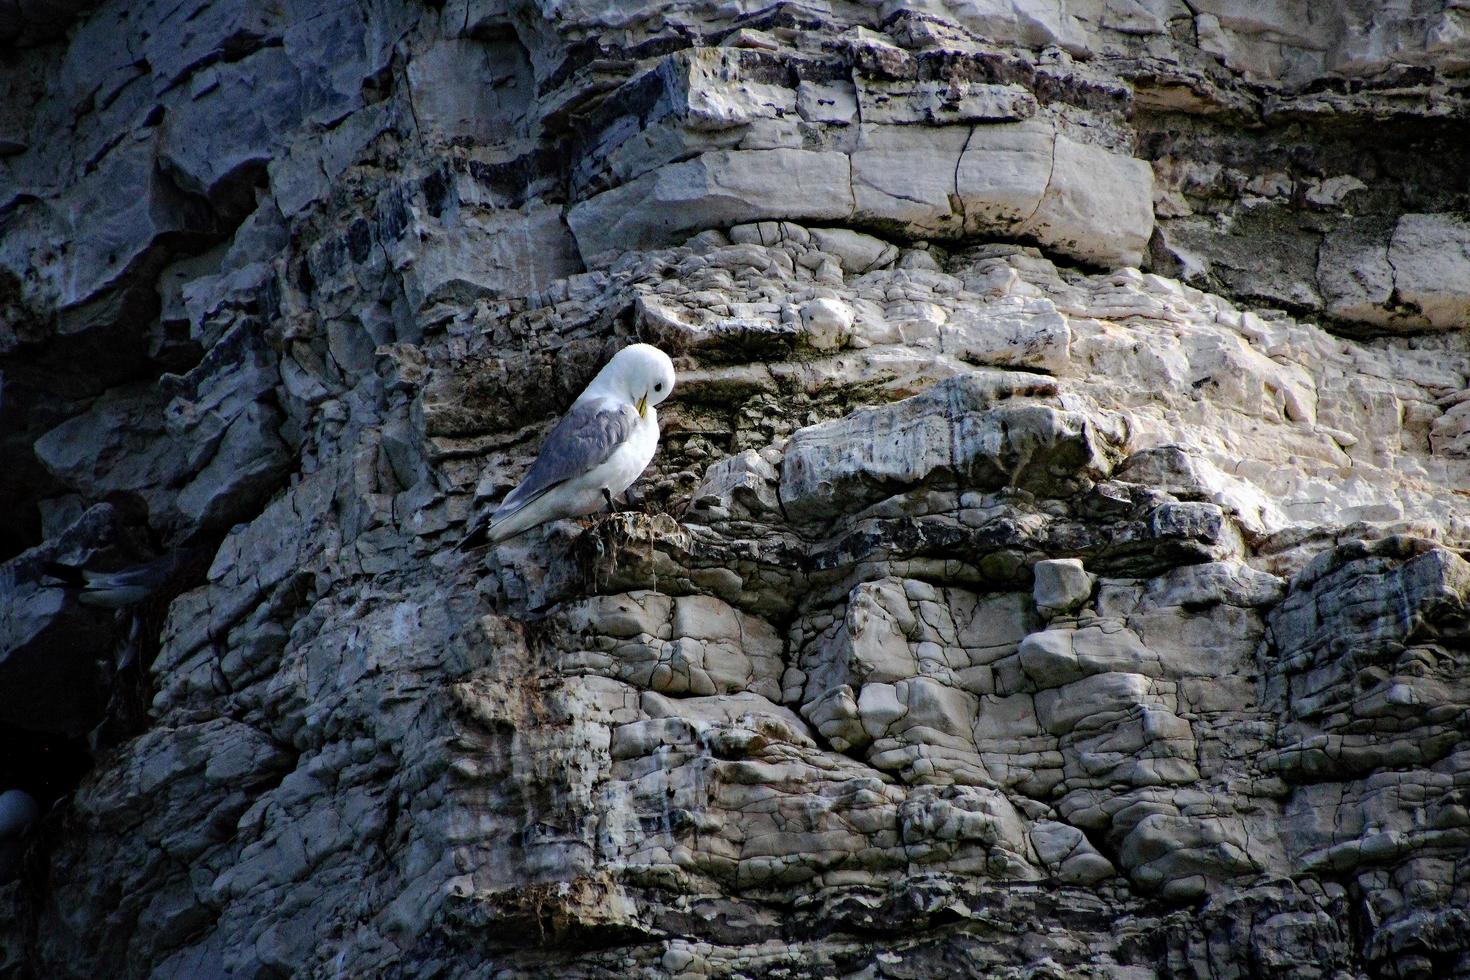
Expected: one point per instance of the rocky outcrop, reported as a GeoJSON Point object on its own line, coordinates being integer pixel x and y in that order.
{"type": "Point", "coordinates": [1053, 564]}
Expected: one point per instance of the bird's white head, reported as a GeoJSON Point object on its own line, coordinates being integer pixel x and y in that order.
{"type": "Point", "coordinates": [641, 373]}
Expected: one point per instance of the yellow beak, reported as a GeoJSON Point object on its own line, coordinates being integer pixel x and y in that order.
{"type": "Point", "coordinates": [641, 403]}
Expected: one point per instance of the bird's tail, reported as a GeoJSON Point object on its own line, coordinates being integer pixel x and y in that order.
{"type": "Point", "coordinates": [493, 528]}
{"type": "Point", "coordinates": [478, 536]}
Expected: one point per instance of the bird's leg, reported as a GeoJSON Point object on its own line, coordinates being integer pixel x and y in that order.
{"type": "Point", "coordinates": [607, 495]}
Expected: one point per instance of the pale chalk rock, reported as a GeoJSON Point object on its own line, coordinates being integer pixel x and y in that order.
{"type": "Point", "coordinates": [717, 188]}
{"type": "Point", "coordinates": [858, 253]}
{"type": "Point", "coordinates": [1062, 586]}
{"type": "Point", "coordinates": [690, 644]}
{"type": "Point", "coordinates": [743, 486]}
{"type": "Point", "coordinates": [952, 431]}
{"type": "Point", "coordinates": [1430, 256]}
{"type": "Point", "coordinates": [826, 323]}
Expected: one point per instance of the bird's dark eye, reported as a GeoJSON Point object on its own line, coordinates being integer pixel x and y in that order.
{"type": "Point", "coordinates": [659, 386]}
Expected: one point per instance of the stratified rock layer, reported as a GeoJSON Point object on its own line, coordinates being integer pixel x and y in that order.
{"type": "Point", "coordinates": [991, 607]}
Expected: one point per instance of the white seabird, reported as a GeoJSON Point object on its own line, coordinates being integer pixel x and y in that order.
{"type": "Point", "coordinates": [127, 587]}
{"type": "Point", "coordinates": [598, 449]}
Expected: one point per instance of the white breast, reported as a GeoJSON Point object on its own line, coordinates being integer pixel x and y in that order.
{"type": "Point", "coordinates": [630, 459]}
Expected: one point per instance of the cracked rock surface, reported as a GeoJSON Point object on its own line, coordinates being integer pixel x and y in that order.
{"type": "Point", "coordinates": [1054, 563]}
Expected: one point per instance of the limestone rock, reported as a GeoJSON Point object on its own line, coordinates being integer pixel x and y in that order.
{"type": "Point", "coordinates": [1062, 584]}
{"type": "Point", "coordinates": [1430, 254]}
{"type": "Point", "coordinates": [952, 431]}
{"type": "Point", "coordinates": [827, 324]}
{"type": "Point", "coordinates": [1053, 563]}
{"type": "Point", "coordinates": [716, 188]}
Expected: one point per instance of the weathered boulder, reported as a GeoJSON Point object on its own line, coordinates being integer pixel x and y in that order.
{"type": "Point", "coordinates": [966, 432]}
{"type": "Point", "coordinates": [1062, 584]}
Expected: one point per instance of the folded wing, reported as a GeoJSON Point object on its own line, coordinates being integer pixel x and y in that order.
{"type": "Point", "coordinates": [583, 440]}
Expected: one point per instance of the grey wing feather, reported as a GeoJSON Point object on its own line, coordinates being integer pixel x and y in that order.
{"type": "Point", "coordinates": [149, 576]}
{"type": "Point", "coordinates": [585, 437]}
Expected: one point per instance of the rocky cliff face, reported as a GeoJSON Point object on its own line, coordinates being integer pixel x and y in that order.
{"type": "Point", "coordinates": [992, 606]}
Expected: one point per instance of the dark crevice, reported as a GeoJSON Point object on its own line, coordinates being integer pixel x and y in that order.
{"type": "Point", "coordinates": [69, 357]}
